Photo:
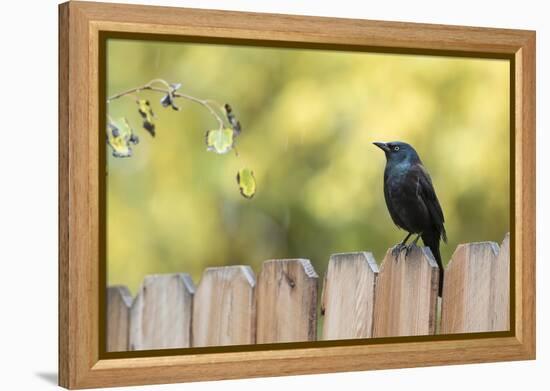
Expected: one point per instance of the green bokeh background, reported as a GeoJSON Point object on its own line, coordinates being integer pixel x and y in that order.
{"type": "Point", "coordinates": [309, 118]}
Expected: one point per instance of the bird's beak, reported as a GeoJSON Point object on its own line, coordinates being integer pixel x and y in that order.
{"type": "Point", "coordinates": [382, 146]}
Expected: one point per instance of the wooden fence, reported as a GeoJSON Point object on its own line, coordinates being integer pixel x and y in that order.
{"type": "Point", "coordinates": [358, 300]}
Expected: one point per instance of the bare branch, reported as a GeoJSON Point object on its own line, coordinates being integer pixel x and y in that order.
{"type": "Point", "coordinates": [149, 87]}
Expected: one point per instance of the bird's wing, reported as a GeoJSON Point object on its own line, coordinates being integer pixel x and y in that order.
{"type": "Point", "coordinates": [390, 204]}
{"type": "Point", "coordinates": [426, 192]}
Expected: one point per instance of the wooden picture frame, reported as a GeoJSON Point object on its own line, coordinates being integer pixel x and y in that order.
{"type": "Point", "coordinates": [83, 25]}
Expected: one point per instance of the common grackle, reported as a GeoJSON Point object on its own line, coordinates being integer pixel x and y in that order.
{"type": "Point", "coordinates": [411, 200]}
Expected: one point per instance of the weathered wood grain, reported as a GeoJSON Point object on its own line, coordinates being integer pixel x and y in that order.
{"type": "Point", "coordinates": [161, 313]}
{"type": "Point", "coordinates": [224, 307]}
{"type": "Point", "coordinates": [476, 292]}
{"type": "Point", "coordinates": [119, 302]}
{"type": "Point", "coordinates": [348, 296]}
{"type": "Point", "coordinates": [286, 301]}
{"type": "Point", "coordinates": [406, 294]}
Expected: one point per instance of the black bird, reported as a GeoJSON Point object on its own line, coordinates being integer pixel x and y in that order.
{"type": "Point", "coordinates": [411, 200]}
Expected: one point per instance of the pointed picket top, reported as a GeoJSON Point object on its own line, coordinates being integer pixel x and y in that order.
{"type": "Point", "coordinates": [224, 307]}
{"type": "Point", "coordinates": [161, 312]}
{"type": "Point", "coordinates": [286, 301]}
{"type": "Point", "coordinates": [406, 294]}
{"type": "Point", "coordinates": [476, 290]}
{"type": "Point", "coordinates": [348, 296]}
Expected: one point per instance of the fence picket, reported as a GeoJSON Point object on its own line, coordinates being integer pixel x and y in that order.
{"type": "Point", "coordinates": [161, 313]}
{"type": "Point", "coordinates": [348, 296]}
{"type": "Point", "coordinates": [500, 294]}
{"type": "Point", "coordinates": [286, 301]}
{"type": "Point", "coordinates": [476, 291]}
{"type": "Point", "coordinates": [406, 294]}
{"type": "Point", "coordinates": [224, 307]}
{"type": "Point", "coordinates": [119, 302]}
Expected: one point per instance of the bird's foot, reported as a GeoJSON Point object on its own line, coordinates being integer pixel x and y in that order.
{"type": "Point", "coordinates": [397, 249]}
{"type": "Point", "coordinates": [409, 247]}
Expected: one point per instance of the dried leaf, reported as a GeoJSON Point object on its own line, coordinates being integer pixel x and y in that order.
{"type": "Point", "coordinates": [146, 112]}
{"type": "Point", "coordinates": [168, 99]}
{"type": "Point", "coordinates": [235, 124]}
{"type": "Point", "coordinates": [121, 138]}
{"type": "Point", "coordinates": [247, 182]}
{"type": "Point", "coordinates": [220, 140]}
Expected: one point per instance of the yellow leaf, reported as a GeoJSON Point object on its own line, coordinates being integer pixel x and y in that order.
{"type": "Point", "coordinates": [247, 182]}
{"type": "Point", "coordinates": [121, 138]}
{"type": "Point", "coordinates": [220, 140]}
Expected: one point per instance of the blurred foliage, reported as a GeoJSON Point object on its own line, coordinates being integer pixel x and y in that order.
{"type": "Point", "coordinates": [308, 119]}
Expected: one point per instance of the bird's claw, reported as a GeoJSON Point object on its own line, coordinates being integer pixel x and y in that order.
{"type": "Point", "coordinates": [409, 248]}
{"type": "Point", "coordinates": [397, 249]}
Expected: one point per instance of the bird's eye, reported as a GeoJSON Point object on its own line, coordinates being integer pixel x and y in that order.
{"type": "Point", "coordinates": [396, 148]}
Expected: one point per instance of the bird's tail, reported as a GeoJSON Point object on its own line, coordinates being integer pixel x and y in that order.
{"type": "Point", "coordinates": [431, 240]}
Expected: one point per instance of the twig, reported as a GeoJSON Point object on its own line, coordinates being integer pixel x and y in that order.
{"type": "Point", "coordinates": [168, 90]}
{"type": "Point", "coordinates": [203, 103]}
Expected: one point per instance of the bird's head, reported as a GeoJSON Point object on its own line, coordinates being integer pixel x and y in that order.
{"type": "Point", "coordinates": [398, 151]}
